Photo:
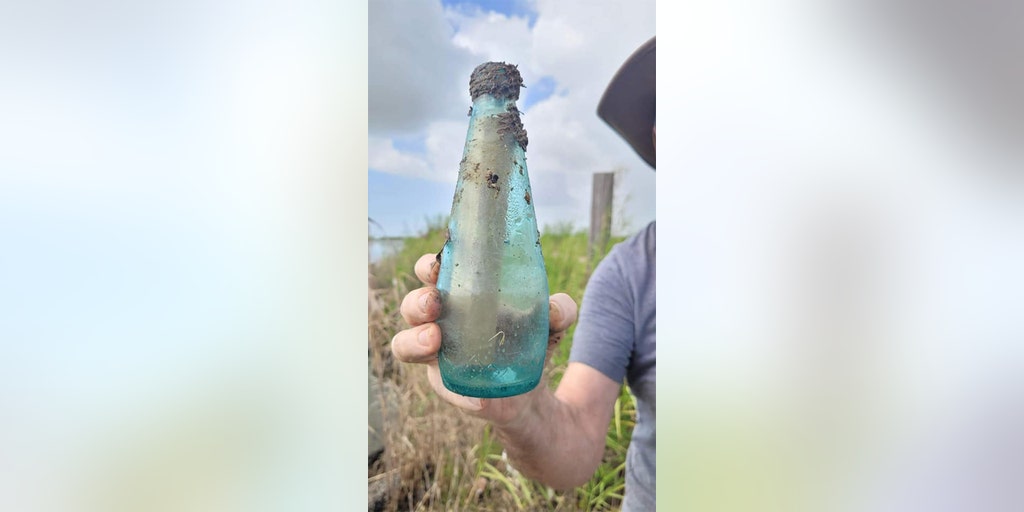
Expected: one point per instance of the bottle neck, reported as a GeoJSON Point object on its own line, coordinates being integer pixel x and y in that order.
{"type": "Point", "coordinates": [487, 105]}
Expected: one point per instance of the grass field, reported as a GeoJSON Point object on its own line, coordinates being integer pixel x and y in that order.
{"type": "Point", "coordinates": [437, 458]}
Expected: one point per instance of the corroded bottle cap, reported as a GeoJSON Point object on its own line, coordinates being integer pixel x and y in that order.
{"type": "Point", "coordinates": [498, 79]}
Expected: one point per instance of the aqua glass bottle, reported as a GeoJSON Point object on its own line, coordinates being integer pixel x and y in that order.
{"type": "Point", "coordinates": [492, 281]}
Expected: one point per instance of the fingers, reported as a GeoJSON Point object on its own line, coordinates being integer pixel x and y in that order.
{"type": "Point", "coordinates": [418, 344]}
{"type": "Point", "coordinates": [563, 312]}
{"type": "Point", "coordinates": [464, 402]}
{"type": "Point", "coordinates": [421, 306]}
{"type": "Point", "coordinates": [427, 268]}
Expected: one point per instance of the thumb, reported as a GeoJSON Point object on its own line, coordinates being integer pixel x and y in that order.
{"type": "Point", "coordinates": [563, 312]}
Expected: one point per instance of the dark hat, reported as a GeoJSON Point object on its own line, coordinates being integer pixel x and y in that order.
{"type": "Point", "coordinates": [628, 104]}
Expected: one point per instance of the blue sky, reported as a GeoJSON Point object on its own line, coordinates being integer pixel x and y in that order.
{"type": "Point", "coordinates": [421, 55]}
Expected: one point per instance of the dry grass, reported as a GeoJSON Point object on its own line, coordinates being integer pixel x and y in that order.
{"type": "Point", "coordinates": [437, 458]}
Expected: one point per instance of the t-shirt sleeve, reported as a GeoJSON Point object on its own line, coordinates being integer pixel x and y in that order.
{"type": "Point", "coordinates": [605, 333]}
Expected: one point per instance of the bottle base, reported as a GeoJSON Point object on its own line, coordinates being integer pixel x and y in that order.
{"type": "Point", "coordinates": [488, 388]}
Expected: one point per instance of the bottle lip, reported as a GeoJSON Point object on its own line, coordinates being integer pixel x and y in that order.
{"type": "Point", "coordinates": [498, 79]}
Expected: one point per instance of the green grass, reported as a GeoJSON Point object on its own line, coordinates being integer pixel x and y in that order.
{"type": "Point", "coordinates": [451, 461]}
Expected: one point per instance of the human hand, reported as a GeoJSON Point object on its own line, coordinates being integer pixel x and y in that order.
{"type": "Point", "coordinates": [421, 342]}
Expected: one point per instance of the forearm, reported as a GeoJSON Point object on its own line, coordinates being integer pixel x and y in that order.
{"type": "Point", "coordinates": [554, 441]}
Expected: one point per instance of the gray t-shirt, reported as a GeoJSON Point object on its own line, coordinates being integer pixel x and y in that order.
{"type": "Point", "coordinates": [616, 336]}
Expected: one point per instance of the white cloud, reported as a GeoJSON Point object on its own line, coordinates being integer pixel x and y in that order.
{"type": "Point", "coordinates": [445, 142]}
{"type": "Point", "coordinates": [583, 44]}
{"type": "Point", "coordinates": [384, 157]}
{"type": "Point", "coordinates": [416, 74]}
{"type": "Point", "coordinates": [492, 36]}
{"type": "Point", "coordinates": [440, 161]}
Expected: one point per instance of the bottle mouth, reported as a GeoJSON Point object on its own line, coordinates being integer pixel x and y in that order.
{"type": "Point", "coordinates": [498, 79]}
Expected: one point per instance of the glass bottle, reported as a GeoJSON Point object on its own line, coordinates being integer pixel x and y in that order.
{"type": "Point", "coordinates": [492, 281]}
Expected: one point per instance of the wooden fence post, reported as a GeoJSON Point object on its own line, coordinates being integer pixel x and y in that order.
{"type": "Point", "coordinates": [600, 214]}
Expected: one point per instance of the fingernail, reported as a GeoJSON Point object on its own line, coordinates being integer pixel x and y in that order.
{"type": "Point", "coordinates": [555, 313]}
{"type": "Point", "coordinates": [424, 337]}
{"type": "Point", "coordinates": [474, 403]}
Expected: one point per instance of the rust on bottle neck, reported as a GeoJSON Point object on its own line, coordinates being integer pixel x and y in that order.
{"type": "Point", "coordinates": [509, 123]}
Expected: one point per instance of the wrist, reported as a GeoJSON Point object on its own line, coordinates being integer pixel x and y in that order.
{"type": "Point", "coordinates": [525, 409]}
